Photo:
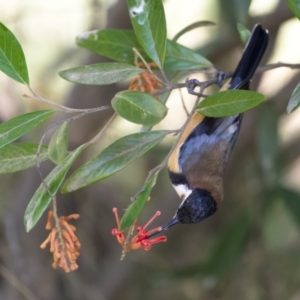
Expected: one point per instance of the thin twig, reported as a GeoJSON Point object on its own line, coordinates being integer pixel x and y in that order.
{"type": "Point", "coordinates": [137, 53]}
{"type": "Point", "coordinates": [183, 103]}
{"type": "Point", "coordinates": [46, 187]}
{"type": "Point", "coordinates": [53, 197]}
{"type": "Point", "coordinates": [57, 223]}
{"type": "Point", "coordinates": [164, 75]}
{"type": "Point", "coordinates": [227, 75]}
{"type": "Point", "coordinates": [185, 84]}
{"type": "Point", "coordinates": [168, 88]}
{"type": "Point", "coordinates": [16, 283]}
{"type": "Point", "coordinates": [61, 107]}
{"type": "Point", "coordinates": [98, 136]}
{"type": "Point", "coordinates": [278, 65]}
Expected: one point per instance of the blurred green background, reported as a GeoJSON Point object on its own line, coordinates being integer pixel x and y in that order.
{"type": "Point", "coordinates": [249, 250]}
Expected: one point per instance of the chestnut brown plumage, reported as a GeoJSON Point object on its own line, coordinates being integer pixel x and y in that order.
{"type": "Point", "coordinates": [200, 157]}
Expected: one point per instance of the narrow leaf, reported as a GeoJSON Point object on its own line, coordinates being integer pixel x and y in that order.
{"type": "Point", "coordinates": [292, 201]}
{"type": "Point", "coordinates": [18, 126]}
{"type": "Point", "coordinates": [58, 144]}
{"type": "Point", "coordinates": [135, 208]}
{"type": "Point", "coordinates": [268, 146]}
{"type": "Point", "coordinates": [112, 43]}
{"type": "Point", "coordinates": [99, 74]}
{"type": "Point", "coordinates": [138, 107]}
{"type": "Point", "coordinates": [294, 101]}
{"type": "Point", "coordinates": [229, 247]}
{"type": "Point", "coordinates": [235, 11]}
{"type": "Point", "coordinates": [20, 156]}
{"type": "Point", "coordinates": [179, 57]}
{"type": "Point", "coordinates": [12, 59]}
{"type": "Point", "coordinates": [191, 27]}
{"type": "Point", "coordinates": [113, 159]}
{"type": "Point", "coordinates": [294, 7]}
{"type": "Point", "coordinates": [149, 24]}
{"type": "Point", "coordinates": [229, 103]}
{"type": "Point", "coordinates": [244, 33]}
{"type": "Point", "coordinates": [41, 199]}
{"type": "Point", "coordinates": [278, 226]}
{"type": "Point", "coordinates": [225, 253]}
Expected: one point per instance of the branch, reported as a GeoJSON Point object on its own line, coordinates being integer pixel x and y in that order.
{"type": "Point", "coordinates": [98, 136]}
{"type": "Point", "coordinates": [61, 107]}
{"type": "Point", "coordinates": [277, 65]}
{"type": "Point", "coordinates": [16, 283]}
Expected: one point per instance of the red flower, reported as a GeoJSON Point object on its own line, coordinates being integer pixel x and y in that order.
{"type": "Point", "coordinates": [140, 240]}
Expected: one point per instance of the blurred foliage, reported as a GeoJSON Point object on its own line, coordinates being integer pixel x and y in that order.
{"type": "Point", "coordinates": [248, 250]}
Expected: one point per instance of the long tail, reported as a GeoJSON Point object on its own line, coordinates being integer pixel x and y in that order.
{"type": "Point", "coordinates": [249, 61]}
{"type": "Point", "coordinates": [251, 58]}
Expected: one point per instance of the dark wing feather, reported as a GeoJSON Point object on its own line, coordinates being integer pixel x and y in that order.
{"type": "Point", "coordinates": [210, 136]}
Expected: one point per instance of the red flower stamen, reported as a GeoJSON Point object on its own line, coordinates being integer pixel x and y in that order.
{"type": "Point", "coordinates": [115, 231]}
{"type": "Point", "coordinates": [115, 211]}
{"type": "Point", "coordinates": [157, 214]}
{"type": "Point", "coordinates": [140, 240]}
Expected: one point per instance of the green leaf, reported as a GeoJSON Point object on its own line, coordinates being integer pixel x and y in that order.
{"type": "Point", "coordinates": [191, 27]}
{"type": "Point", "coordinates": [113, 159]}
{"type": "Point", "coordinates": [112, 43]}
{"type": "Point", "coordinates": [162, 99]}
{"type": "Point", "coordinates": [41, 199]}
{"type": "Point", "coordinates": [99, 74]}
{"type": "Point", "coordinates": [139, 107]}
{"type": "Point", "coordinates": [292, 201]}
{"type": "Point", "coordinates": [229, 247]}
{"type": "Point", "coordinates": [267, 138]}
{"type": "Point", "coordinates": [59, 143]}
{"type": "Point", "coordinates": [234, 11]}
{"type": "Point", "coordinates": [179, 57]}
{"type": "Point", "coordinates": [135, 208]}
{"type": "Point", "coordinates": [229, 103]}
{"type": "Point", "coordinates": [16, 127]}
{"type": "Point", "coordinates": [20, 156]}
{"type": "Point", "coordinates": [294, 101]}
{"type": "Point", "coordinates": [149, 24]}
{"type": "Point", "coordinates": [294, 6]}
{"type": "Point", "coordinates": [244, 33]}
{"type": "Point", "coordinates": [278, 227]}
{"type": "Point", "coordinates": [12, 59]}
{"type": "Point", "coordinates": [225, 253]}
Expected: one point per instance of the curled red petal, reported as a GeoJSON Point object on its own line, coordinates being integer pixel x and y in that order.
{"type": "Point", "coordinates": [119, 235]}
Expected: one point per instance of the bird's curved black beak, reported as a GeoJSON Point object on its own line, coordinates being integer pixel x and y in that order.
{"type": "Point", "coordinates": [173, 222]}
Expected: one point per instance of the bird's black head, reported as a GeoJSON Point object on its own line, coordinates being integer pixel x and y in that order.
{"type": "Point", "coordinates": [198, 206]}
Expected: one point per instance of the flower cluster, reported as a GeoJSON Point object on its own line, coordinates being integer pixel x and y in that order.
{"type": "Point", "coordinates": [64, 244]}
{"type": "Point", "coordinates": [140, 240]}
{"type": "Point", "coordinates": [145, 82]}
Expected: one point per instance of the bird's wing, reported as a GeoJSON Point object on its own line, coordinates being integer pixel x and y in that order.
{"type": "Point", "coordinates": [210, 136]}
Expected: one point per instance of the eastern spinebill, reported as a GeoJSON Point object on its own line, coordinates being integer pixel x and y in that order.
{"type": "Point", "coordinates": [198, 162]}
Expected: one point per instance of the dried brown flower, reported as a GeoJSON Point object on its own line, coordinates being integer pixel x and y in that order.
{"type": "Point", "coordinates": [64, 244]}
{"type": "Point", "coordinates": [145, 82]}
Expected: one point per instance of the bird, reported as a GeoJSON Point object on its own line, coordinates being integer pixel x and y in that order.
{"type": "Point", "coordinates": [199, 159]}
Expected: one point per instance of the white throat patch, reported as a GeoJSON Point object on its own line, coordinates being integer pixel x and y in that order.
{"type": "Point", "coordinates": [183, 191]}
